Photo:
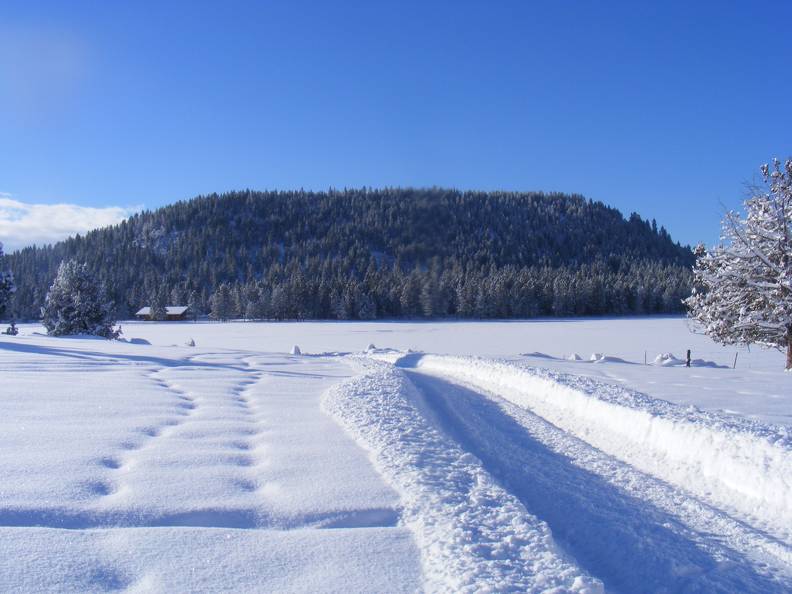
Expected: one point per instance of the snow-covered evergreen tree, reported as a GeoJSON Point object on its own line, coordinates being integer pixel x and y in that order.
{"type": "Point", "coordinates": [743, 287]}
{"type": "Point", "coordinates": [158, 304]}
{"type": "Point", "coordinates": [366, 308]}
{"type": "Point", "coordinates": [222, 303]}
{"type": "Point", "coordinates": [77, 304]}
{"type": "Point", "coordinates": [279, 303]}
{"type": "Point", "coordinates": [192, 306]}
{"type": "Point", "coordinates": [257, 303]}
{"type": "Point", "coordinates": [7, 286]}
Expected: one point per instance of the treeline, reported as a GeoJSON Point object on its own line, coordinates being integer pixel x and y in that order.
{"type": "Point", "coordinates": [496, 293]}
{"type": "Point", "coordinates": [362, 254]}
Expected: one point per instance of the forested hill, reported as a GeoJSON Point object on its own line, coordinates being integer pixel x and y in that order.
{"type": "Point", "coordinates": [377, 253]}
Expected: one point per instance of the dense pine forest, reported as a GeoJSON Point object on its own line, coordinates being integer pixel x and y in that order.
{"type": "Point", "coordinates": [364, 254]}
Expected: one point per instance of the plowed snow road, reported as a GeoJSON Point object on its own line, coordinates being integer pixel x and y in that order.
{"type": "Point", "coordinates": [632, 531]}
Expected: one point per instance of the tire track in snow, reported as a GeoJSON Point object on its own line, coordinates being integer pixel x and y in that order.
{"type": "Point", "coordinates": [473, 536]}
{"type": "Point", "coordinates": [633, 531]}
{"type": "Point", "coordinates": [741, 466]}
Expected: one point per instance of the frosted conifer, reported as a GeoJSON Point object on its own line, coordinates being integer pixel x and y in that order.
{"type": "Point", "coordinates": [158, 308]}
{"type": "Point", "coordinates": [77, 304]}
{"type": "Point", "coordinates": [222, 303]}
{"type": "Point", "coordinates": [7, 287]}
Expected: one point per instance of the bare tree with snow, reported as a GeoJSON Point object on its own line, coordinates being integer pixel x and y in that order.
{"type": "Point", "coordinates": [743, 287]}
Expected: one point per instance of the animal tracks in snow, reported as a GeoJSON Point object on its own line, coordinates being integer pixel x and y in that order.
{"type": "Point", "coordinates": [224, 441]}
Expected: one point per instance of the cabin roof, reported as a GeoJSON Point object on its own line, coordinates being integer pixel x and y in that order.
{"type": "Point", "coordinates": [171, 310]}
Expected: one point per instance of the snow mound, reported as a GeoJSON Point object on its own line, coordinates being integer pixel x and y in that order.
{"type": "Point", "coordinates": [137, 341]}
{"type": "Point", "coordinates": [371, 347]}
{"type": "Point", "coordinates": [667, 360]}
{"type": "Point", "coordinates": [611, 359]}
{"type": "Point", "coordinates": [472, 534]}
{"type": "Point", "coordinates": [738, 464]}
{"type": "Point", "coordinates": [705, 363]}
{"type": "Point", "coordinates": [296, 350]}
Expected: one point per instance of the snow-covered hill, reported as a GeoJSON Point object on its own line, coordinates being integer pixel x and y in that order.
{"type": "Point", "coordinates": [231, 465]}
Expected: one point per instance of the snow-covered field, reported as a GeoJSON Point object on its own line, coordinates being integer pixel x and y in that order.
{"type": "Point", "coordinates": [452, 457]}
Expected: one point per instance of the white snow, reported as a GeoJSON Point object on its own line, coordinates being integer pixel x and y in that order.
{"type": "Point", "coordinates": [741, 465]}
{"type": "Point", "coordinates": [474, 535]}
{"type": "Point", "coordinates": [133, 466]}
{"type": "Point", "coordinates": [757, 388]}
{"type": "Point", "coordinates": [147, 465]}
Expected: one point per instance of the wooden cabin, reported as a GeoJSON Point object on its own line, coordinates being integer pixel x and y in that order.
{"type": "Point", "coordinates": [174, 313]}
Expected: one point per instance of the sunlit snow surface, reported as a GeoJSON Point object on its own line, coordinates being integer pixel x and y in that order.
{"type": "Point", "coordinates": [232, 465]}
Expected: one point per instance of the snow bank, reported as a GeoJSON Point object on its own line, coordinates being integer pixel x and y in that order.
{"type": "Point", "coordinates": [667, 360]}
{"type": "Point", "coordinates": [743, 465]}
{"type": "Point", "coordinates": [473, 535]}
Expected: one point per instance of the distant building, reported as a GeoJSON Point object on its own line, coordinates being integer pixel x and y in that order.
{"type": "Point", "coordinates": [174, 313]}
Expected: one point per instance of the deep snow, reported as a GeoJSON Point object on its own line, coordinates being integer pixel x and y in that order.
{"type": "Point", "coordinates": [179, 469]}
{"type": "Point", "coordinates": [232, 465]}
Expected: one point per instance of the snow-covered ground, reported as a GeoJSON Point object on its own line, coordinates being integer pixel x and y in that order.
{"type": "Point", "coordinates": [490, 461]}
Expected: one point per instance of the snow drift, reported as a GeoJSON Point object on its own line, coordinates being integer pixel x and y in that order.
{"type": "Point", "coordinates": [473, 535]}
{"type": "Point", "coordinates": [739, 464]}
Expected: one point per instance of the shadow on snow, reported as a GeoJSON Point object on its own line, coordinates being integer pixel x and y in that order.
{"type": "Point", "coordinates": [628, 543]}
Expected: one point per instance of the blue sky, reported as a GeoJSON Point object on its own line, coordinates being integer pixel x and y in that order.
{"type": "Point", "coordinates": [661, 108]}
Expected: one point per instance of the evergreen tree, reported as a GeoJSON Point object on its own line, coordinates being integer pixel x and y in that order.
{"type": "Point", "coordinates": [77, 304]}
{"type": "Point", "coordinates": [366, 308]}
{"type": "Point", "coordinates": [158, 304]}
{"type": "Point", "coordinates": [222, 303]}
{"type": "Point", "coordinates": [279, 303]}
{"type": "Point", "coordinates": [7, 287]}
{"type": "Point", "coordinates": [429, 298]}
{"type": "Point", "coordinates": [192, 305]}
{"type": "Point", "coordinates": [742, 289]}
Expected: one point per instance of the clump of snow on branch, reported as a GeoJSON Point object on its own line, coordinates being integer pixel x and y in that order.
{"type": "Point", "coordinates": [743, 287]}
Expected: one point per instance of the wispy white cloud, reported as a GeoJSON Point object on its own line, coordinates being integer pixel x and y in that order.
{"type": "Point", "coordinates": [23, 224]}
